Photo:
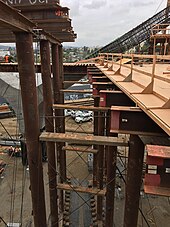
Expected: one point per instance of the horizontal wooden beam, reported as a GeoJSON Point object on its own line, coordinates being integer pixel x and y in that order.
{"type": "Point", "coordinates": [110, 92]}
{"type": "Point", "coordinates": [100, 77]}
{"type": "Point", "coordinates": [102, 83]}
{"type": "Point", "coordinates": [90, 108]}
{"type": "Point", "coordinates": [80, 149]}
{"type": "Point", "coordinates": [68, 187]}
{"type": "Point", "coordinates": [82, 139]}
{"type": "Point", "coordinates": [77, 91]}
{"type": "Point", "coordinates": [75, 130]}
{"type": "Point", "coordinates": [75, 82]}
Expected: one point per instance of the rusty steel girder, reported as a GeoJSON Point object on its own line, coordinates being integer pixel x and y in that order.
{"type": "Point", "coordinates": [13, 21]}
{"type": "Point", "coordinates": [114, 98]}
{"type": "Point", "coordinates": [132, 120]}
{"type": "Point", "coordinates": [71, 72]}
{"type": "Point", "coordinates": [47, 15]}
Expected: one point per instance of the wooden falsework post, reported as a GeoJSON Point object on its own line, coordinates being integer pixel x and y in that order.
{"type": "Point", "coordinates": [49, 126]}
{"type": "Point", "coordinates": [25, 54]}
{"type": "Point", "coordinates": [59, 118]}
{"type": "Point", "coordinates": [96, 104]}
{"type": "Point", "coordinates": [111, 158]}
{"type": "Point", "coordinates": [100, 162]}
{"type": "Point", "coordinates": [134, 180]}
{"type": "Point", "coordinates": [110, 188]}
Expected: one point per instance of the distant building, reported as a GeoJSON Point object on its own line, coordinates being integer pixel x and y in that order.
{"type": "Point", "coordinates": [4, 52]}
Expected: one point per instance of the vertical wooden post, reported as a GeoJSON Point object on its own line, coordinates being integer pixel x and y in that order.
{"type": "Point", "coordinates": [110, 188]}
{"type": "Point", "coordinates": [111, 158]}
{"type": "Point", "coordinates": [134, 180]}
{"type": "Point", "coordinates": [59, 124]}
{"type": "Point", "coordinates": [96, 104]}
{"type": "Point", "coordinates": [100, 160]}
{"type": "Point", "coordinates": [49, 126]}
{"type": "Point", "coordinates": [25, 55]}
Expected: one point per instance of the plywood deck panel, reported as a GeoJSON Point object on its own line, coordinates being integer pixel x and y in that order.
{"type": "Point", "coordinates": [162, 88]}
{"type": "Point", "coordinates": [151, 103]}
{"type": "Point", "coordinates": [163, 115]}
{"type": "Point", "coordinates": [125, 71]}
{"type": "Point", "coordinates": [149, 100]}
{"type": "Point", "coordinates": [131, 87]}
{"type": "Point", "coordinates": [116, 78]}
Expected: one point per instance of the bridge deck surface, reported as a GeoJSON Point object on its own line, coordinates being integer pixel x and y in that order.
{"type": "Point", "coordinates": [152, 103]}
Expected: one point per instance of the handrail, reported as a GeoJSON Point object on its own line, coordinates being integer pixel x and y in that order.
{"type": "Point", "coordinates": [109, 58]}
{"type": "Point", "coordinates": [160, 57]}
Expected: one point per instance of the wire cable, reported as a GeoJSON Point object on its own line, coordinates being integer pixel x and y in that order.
{"type": "Point", "coordinates": [158, 6]}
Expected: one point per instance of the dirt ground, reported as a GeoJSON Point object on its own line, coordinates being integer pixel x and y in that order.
{"type": "Point", "coordinates": [14, 182]}
{"type": "Point", "coordinates": [15, 198]}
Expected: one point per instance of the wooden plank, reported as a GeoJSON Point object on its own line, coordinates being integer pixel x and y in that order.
{"type": "Point", "coordinates": [69, 187]}
{"type": "Point", "coordinates": [102, 83]}
{"type": "Point", "coordinates": [80, 149]}
{"type": "Point", "coordinates": [157, 190]}
{"type": "Point", "coordinates": [75, 130]}
{"type": "Point", "coordinates": [130, 87]}
{"type": "Point", "coordinates": [161, 118]}
{"type": "Point", "coordinates": [125, 108]}
{"type": "Point", "coordinates": [78, 101]}
{"type": "Point", "coordinates": [77, 91]}
{"type": "Point", "coordinates": [99, 77]}
{"type": "Point", "coordinates": [82, 139]}
{"type": "Point", "coordinates": [149, 100]}
{"type": "Point", "coordinates": [71, 107]}
{"type": "Point", "coordinates": [75, 82]}
{"type": "Point", "coordinates": [110, 92]}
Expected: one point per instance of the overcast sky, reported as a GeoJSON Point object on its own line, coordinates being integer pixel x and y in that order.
{"type": "Point", "coordinates": [98, 22]}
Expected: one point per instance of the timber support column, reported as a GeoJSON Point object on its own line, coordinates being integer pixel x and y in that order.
{"type": "Point", "coordinates": [49, 126]}
{"type": "Point", "coordinates": [57, 77]}
{"type": "Point", "coordinates": [25, 54]}
{"type": "Point", "coordinates": [100, 162]}
{"type": "Point", "coordinates": [96, 104]}
{"type": "Point", "coordinates": [62, 118]}
{"type": "Point", "coordinates": [110, 188]}
{"type": "Point", "coordinates": [111, 159]}
{"type": "Point", "coordinates": [134, 180]}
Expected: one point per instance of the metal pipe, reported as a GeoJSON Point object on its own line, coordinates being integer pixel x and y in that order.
{"type": "Point", "coordinates": [134, 180]}
{"type": "Point", "coordinates": [49, 126]}
{"type": "Point", "coordinates": [25, 55]}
